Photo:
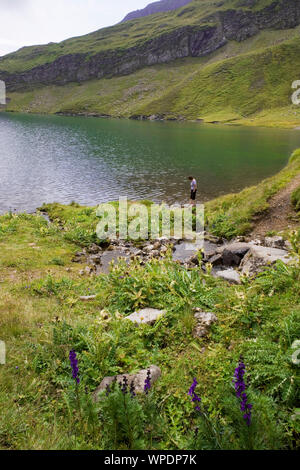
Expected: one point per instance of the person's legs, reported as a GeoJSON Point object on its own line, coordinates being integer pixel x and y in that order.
{"type": "Point", "coordinates": [193, 198]}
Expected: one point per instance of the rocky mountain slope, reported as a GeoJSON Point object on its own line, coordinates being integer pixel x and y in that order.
{"type": "Point", "coordinates": [187, 38]}
{"type": "Point", "coordinates": [167, 66]}
{"type": "Point", "coordinates": [156, 7]}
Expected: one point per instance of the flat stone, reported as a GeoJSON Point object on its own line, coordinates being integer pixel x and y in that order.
{"type": "Point", "coordinates": [210, 249]}
{"type": "Point", "coordinates": [287, 245]}
{"type": "Point", "coordinates": [261, 256]}
{"type": "Point", "coordinates": [237, 248]}
{"type": "Point", "coordinates": [87, 298]}
{"type": "Point", "coordinates": [204, 322]}
{"type": "Point", "coordinates": [274, 242]}
{"type": "Point", "coordinates": [229, 275]}
{"type": "Point", "coordinates": [110, 256]}
{"type": "Point", "coordinates": [163, 239]}
{"type": "Point", "coordinates": [186, 250]}
{"type": "Point", "coordinates": [137, 379]}
{"type": "Point", "coordinates": [147, 316]}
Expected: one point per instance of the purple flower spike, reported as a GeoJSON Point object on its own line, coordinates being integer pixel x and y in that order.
{"type": "Point", "coordinates": [147, 386]}
{"type": "Point", "coordinates": [194, 396]}
{"type": "Point", "coordinates": [74, 366]}
{"type": "Point", "coordinates": [240, 390]}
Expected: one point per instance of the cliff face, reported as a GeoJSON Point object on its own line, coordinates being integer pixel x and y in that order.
{"type": "Point", "coordinates": [196, 41]}
{"type": "Point", "coordinates": [156, 7]}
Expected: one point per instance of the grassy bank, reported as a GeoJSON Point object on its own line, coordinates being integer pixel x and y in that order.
{"type": "Point", "coordinates": [42, 318]}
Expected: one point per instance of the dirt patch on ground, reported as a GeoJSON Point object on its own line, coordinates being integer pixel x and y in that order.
{"type": "Point", "coordinates": [281, 214]}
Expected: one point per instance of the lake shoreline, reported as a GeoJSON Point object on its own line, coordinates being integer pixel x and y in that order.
{"type": "Point", "coordinates": [58, 158]}
{"type": "Point", "coordinates": [234, 123]}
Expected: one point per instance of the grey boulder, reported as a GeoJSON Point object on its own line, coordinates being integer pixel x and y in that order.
{"type": "Point", "coordinates": [204, 321]}
{"type": "Point", "coordinates": [147, 316]}
{"type": "Point", "coordinates": [137, 379]}
{"type": "Point", "coordinates": [234, 252]}
{"type": "Point", "coordinates": [261, 256]}
{"type": "Point", "coordinates": [229, 275]}
{"type": "Point", "coordinates": [274, 242]}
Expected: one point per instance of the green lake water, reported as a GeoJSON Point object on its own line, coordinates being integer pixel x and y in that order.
{"type": "Point", "coordinates": [90, 160]}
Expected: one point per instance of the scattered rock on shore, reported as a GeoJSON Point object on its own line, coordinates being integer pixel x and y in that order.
{"type": "Point", "coordinates": [249, 256]}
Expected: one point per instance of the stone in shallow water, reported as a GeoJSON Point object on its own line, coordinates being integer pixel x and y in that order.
{"type": "Point", "coordinates": [229, 275]}
{"type": "Point", "coordinates": [186, 250]}
{"type": "Point", "coordinates": [110, 256]}
{"type": "Point", "coordinates": [233, 253]}
{"type": "Point", "coordinates": [138, 380]}
{"type": "Point", "coordinates": [147, 316]}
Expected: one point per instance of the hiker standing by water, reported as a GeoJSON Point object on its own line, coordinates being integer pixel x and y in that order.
{"type": "Point", "coordinates": [193, 190]}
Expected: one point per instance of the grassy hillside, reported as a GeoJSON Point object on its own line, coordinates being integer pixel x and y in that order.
{"type": "Point", "coordinates": [42, 318]}
{"type": "Point", "coordinates": [247, 82]}
{"type": "Point", "coordinates": [237, 88]}
{"type": "Point", "coordinates": [122, 36]}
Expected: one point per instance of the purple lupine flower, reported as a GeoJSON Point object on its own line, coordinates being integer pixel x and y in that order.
{"type": "Point", "coordinates": [193, 394]}
{"type": "Point", "coordinates": [74, 366]}
{"type": "Point", "coordinates": [147, 386]}
{"type": "Point", "coordinates": [132, 390]}
{"type": "Point", "coordinates": [124, 385]}
{"type": "Point", "coordinates": [192, 389]}
{"type": "Point", "coordinates": [240, 389]}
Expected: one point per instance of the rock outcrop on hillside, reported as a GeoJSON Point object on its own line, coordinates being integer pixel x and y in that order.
{"type": "Point", "coordinates": [188, 41]}
{"type": "Point", "coordinates": [156, 7]}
